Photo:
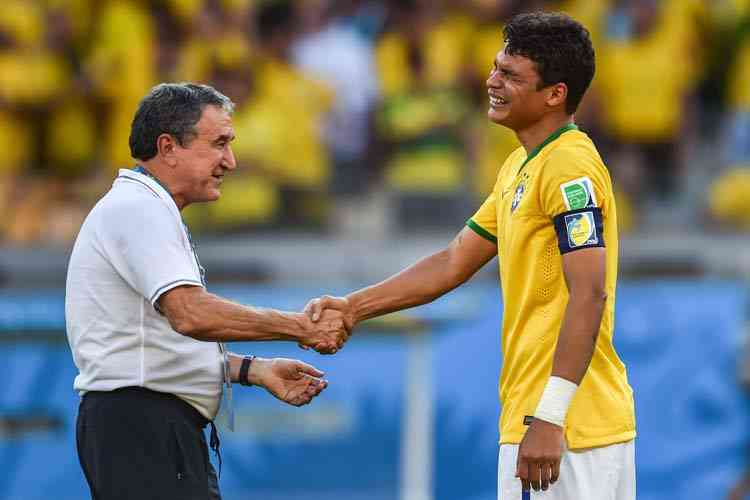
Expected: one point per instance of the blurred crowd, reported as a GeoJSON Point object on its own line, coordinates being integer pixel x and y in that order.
{"type": "Point", "coordinates": [339, 100]}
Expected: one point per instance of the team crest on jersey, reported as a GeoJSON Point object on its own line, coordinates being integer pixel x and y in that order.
{"type": "Point", "coordinates": [517, 196]}
{"type": "Point", "coordinates": [519, 192]}
{"type": "Point", "coordinates": [581, 229]}
{"type": "Point", "coordinates": [578, 193]}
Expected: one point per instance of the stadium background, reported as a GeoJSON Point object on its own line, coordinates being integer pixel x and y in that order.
{"type": "Point", "coordinates": [363, 144]}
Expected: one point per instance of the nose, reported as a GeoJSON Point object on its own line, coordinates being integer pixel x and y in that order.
{"type": "Point", "coordinates": [229, 162]}
{"type": "Point", "coordinates": [494, 79]}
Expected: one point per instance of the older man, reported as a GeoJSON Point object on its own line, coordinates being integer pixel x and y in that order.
{"type": "Point", "coordinates": [145, 334]}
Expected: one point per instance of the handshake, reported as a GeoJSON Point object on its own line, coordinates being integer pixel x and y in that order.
{"type": "Point", "coordinates": [327, 323]}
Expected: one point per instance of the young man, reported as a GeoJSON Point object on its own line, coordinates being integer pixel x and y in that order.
{"type": "Point", "coordinates": [567, 408]}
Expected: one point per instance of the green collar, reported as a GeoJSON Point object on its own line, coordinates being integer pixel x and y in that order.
{"type": "Point", "coordinates": [557, 133]}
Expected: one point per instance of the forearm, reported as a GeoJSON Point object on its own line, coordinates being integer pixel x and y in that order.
{"type": "Point", "coordinates": [578, 334]}
{"type": "Point", "coordinates": [213, 318]}
{"type": "Point", "coordinates": [418, 284]}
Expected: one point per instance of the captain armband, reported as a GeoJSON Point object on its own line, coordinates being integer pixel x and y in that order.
{"type": "Point", "coordinates": [581, 228]}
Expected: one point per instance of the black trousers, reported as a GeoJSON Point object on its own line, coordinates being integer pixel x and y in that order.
{"type": "Point", "coordinates": [137, 444]}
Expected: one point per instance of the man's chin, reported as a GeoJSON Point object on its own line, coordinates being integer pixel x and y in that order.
{"type": "Point", "coordinates": [210, 195]}
{"type": "Point", "coordinates": [498, 117]}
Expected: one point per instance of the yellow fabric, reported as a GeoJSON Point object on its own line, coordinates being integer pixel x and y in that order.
{"type": "Point", "coordinates": [199, 57]}
{"type": "Point", "coordinates": [444, 49]}
{"type": "Point", "coordinates": [739, 80]}
{"type": "Point", "coordinates": [24, 21]}
{"type": "Point", "coordinates": [426, 156]}
{"type": "Point", "coordinates": [486, 42]}
{"type": "Point", "coordinates": [185, 10]}
{"type": "Point", "coordinates": [80, 14]}
{"type": "Point", "coordinates": [123, 69]}
{"type": "Point", "coordinates": [729, 197]}
{"type": "Point", "coordinates": [15, 143]}
{"type": "Point", "coordinates": [72, 137]}
{"type": "Point", "coordinates": [415, 114]}
{"type": "Point", "coordinates": [428, 170]}
{"type": "Point", "coordinates": [682, 20]}
{"type": "Point", "coordinates": [31, 76]}
{"type": "Point", "coordinates": [279, 128]}
{"type": "Point", "coordinates": [590, 13]}
{"type": "Point", "coordinates": [246, 200]}
{"type": "Point", "coordinates": [626, 217]}
{"type": "Point", "coordinates": [493, 142]}
{"type": "Point", "coordinates": [391, 58]}
{"type": "Point", "coordinates": [535, 294]}
{"type": "Point", "coordinates": [641, 101]}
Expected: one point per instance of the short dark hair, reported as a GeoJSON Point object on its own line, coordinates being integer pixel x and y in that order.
{"type": "Point", "coordinates": [174, 109]}
{"type": "Point", "coordinates": [559, 45]}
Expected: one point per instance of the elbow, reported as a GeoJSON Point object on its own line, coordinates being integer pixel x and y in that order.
{"type": "Point", "coordinates": [594, 295]}
{"type": "Point", "coordinates": [183, 308]}
{"type": "Point", "coordinates": [189, 325]}
{"type": "Point", "coordinates": [455, 275]}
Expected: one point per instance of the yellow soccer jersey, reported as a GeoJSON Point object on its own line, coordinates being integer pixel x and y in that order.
{"type": "Point", "coordinates": [556, 200]}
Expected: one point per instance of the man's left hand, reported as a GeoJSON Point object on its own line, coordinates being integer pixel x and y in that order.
{"type": "Point", "coordinates": [539, 455]}
{"type": "Point", "coordinates": [289, 380]}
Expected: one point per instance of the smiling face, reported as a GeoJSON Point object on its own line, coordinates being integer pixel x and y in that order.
{"type": "Point", "coordinates": [202, 163]}
{"type": "Point", "coordinates": [515, 99]}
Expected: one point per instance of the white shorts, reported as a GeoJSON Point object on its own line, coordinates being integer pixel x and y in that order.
{"type": "Point", "coordinates": [604, 473]}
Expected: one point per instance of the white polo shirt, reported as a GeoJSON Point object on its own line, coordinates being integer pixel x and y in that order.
{"type": "Point", "coordinates": [132, 248]}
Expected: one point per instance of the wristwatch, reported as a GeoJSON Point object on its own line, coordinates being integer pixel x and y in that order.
{"type": "Point", "coordinates": [244, 369]}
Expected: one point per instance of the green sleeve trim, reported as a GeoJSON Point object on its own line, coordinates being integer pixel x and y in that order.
{"type": "Point", "coordinates": [481, 231]}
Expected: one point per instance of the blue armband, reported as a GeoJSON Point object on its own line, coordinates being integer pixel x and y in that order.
{"type": "Point", "coordinates": [582, 228]}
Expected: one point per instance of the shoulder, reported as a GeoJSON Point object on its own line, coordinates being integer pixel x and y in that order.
{"type": "Point", "coordinates": [575, 175]}
{"type": "Point", "coordinates": [575, 155]}
{"type": "Point", "coordinates": [575, 146]}
{"type": "Point", "coordinates": [133, 208]}
{"type": "Point", "coordinates": [126, 202]}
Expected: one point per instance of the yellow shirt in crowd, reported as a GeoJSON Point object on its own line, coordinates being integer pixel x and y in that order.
{"type": "Point", "coordinates": [561, 189]}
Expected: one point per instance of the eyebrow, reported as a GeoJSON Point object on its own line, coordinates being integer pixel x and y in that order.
{"type": "Point", "coordinates": [505, 69]}
{"type": "Point", "coordinates": [225, 138]}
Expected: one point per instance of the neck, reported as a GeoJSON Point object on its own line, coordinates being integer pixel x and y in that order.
{"type": "Point", "coordinates": [161, 175]}
{"type": "Point", "coordinates": [532, 136]}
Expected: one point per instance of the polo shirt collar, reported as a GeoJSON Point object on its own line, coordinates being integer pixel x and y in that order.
{"type": "Point", "coordinates": [151, 183]}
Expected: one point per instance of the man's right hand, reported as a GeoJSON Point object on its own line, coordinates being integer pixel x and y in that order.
{"type": "Point", "coordinates": [327, 334]}
{"type": "Point", "coordinates": [316, 308]}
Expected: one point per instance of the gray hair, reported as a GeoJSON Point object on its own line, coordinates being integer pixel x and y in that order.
{"type": "Point", "coordinates": [174, 109]}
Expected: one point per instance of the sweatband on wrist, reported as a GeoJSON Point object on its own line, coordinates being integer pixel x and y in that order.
{"type": "Point", "coordinates": [553, 406]}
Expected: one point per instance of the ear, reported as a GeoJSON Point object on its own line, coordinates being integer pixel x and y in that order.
{"type": "Point", "coordinates": [165, 147]}
{"type": "Point", "coordinates": [558, 94]}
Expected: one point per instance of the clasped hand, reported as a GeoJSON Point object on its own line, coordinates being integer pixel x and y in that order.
{"type": "Point", "coordinates": [330, 323]}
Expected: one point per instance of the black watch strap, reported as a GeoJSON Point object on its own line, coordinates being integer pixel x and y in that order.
{"type": "Point", "coordinates": [244, 369]}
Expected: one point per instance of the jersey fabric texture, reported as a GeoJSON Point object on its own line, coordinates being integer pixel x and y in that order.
{"type": "Point", "coordinates": [558, 199]}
